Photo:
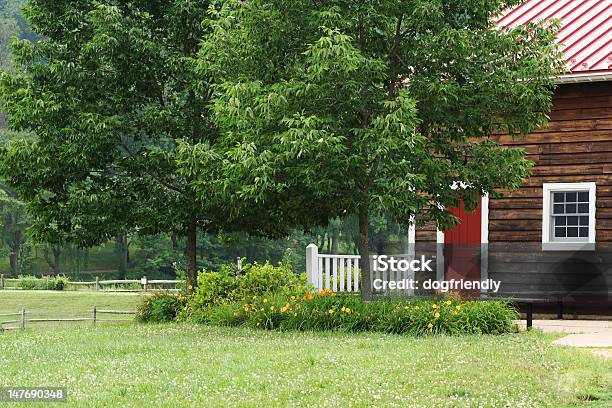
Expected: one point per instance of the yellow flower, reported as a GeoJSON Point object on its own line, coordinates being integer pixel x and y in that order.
{"type": "Point", "coordinates": [254, 297]}
{"type": "Point", "coordinates": [261, 310]}
{"type": "Point", "coordinates": [294, 314]}
{"type": "Point", "coordinates": [429, 326]}
{"type": "Point", "coordinates": [456, 312]}
{"type": "Point", "coordinates": [348, 310]}
{"type": "Point", "coordinates": [417, 307]}
{"type": "Point", "coordinates": [437, 315]}
{"type": "Point", "coordinates": [448, 302]}
{"type": "Point", "coordinates": [434, 306]}
{"type": "Point", "coordinates": [265, 300]}
{"type": "Point", "coordinates": [406, 308]}
{"type": "Point", "coordinates": [235, 314]}
{"type": "Point", "coordinates": [189, 287]}
{"type": "Point", "coordinates": [272, 308]}
{"type": "Point", "coordinates": [331, 311]}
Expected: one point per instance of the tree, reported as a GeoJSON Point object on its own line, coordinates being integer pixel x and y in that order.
{"type": "Point", "coordinates": [376, 107]}
{"type": "Point", "coordinates": [112, 94]}
{"type": "Point", "coordinates": [13, 222]}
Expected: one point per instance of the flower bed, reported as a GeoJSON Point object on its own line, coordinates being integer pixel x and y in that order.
{"type": "Point", "coordinates": [327, 310]}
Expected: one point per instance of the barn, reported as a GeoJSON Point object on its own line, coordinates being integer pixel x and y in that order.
{"type": "Point", "coordinates": [550, 240]}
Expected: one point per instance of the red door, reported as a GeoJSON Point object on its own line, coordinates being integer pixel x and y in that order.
{"type": "Point", "coordinates": [462, 248]}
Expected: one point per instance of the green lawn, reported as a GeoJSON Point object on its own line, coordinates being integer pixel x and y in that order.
{"type": "Point", "coordinates": [187, 365]}
{"type": "Point", "coordinates": [64, 301]}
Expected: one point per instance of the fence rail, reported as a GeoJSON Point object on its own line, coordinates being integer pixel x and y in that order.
{"type": "Point", "coordinates": [98, 284]}
{"type": "Point", "coordinates": [24, 320]}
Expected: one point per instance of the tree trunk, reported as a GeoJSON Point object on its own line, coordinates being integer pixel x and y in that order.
{"type": "Point", "coordinates": [364, 252]}
{"type": "Point", "coordinates": [403, 241]}
{"type": "Point", "coordinates": [334, 244]}
{"type": "Point", "coordinates": [54, 263]}
{"type": "Point", "coordinates": [122, 255]}
{"type": "Point", "coordinates": [57, 251]}
{"type": "Point", "coordinates": [192, 249]}
{"type": "Point", "coordinates": [380, 246]}
{"type": "Point", "coordinates": [15, 251]}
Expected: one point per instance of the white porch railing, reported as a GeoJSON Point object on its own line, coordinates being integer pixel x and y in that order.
{"type": "Point", "coordinates": [341, 273]}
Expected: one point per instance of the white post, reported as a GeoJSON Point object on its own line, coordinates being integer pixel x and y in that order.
{"type": "Point", "coordinates": [312, 264]}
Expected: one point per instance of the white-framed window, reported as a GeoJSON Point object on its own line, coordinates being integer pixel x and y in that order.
{"type": "Point", "coordinates": [568, 217]}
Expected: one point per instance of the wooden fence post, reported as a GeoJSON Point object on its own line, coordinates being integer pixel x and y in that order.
{"type": "Point", "coordinates": [95, 312]}
{"type": "Point", "coordinates": [23, 318]}
{"type": "Point", "coordinates": [239, 263]}
{"type": "Point", "coordinates": [97, 283]}
{"type": "Point", "coordinates": [312, 264]}
{"type": "Point", "coordinates": [1, 281]}
{"type": "Point", "coordinates": [145, 283]}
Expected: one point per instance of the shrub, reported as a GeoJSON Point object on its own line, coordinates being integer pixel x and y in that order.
{"type": "Point", "coordinates": [266, 278]}
{"type": "Point", "coordinates": [29, 282]}
{"type": "Point", "coordinates": [213, 287]}
{"type": "Point", "coordinates": [328, 311]}
{"type": "Point", "coordinates": [160, 307]}
{"type": "Point", "coordinates": [230, 285]}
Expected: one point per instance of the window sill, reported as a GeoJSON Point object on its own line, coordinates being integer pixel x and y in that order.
{"type": "Point", "coordinates": [568, 246]}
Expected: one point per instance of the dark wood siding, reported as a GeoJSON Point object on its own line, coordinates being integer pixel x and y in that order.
{"type": "Point", "coordinates": [575, 147]}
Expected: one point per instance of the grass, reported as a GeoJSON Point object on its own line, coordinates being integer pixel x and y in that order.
{"type": "Point", "coordinates": [64, 301]}
{"type": "Point", "coordinates": [190, 365]}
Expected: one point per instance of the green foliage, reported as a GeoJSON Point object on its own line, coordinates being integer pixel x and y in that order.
{"type": "Point", "coordinates": [160, 307]}
{"type": "Point", "coordinates": [230, 285]}
{"type": "Point", "coordinates": [213, 287]}
{"type": "Point", "coordinates": [267, 278]}
{"type": "Point", "coordinates": [29, 282]}
{"type": "Point", "coordinates": [156, 257]}
{"type": "Point", "coordinates": [327, 311]}
{"type": "Point", "coordinates": [374, 107]}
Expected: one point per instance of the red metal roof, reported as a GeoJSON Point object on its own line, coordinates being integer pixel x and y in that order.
{"type": "Point", "coordinates": [585, 35]}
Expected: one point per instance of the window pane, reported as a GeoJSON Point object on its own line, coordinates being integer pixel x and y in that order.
{"type": "Point", "coordinates": [560, 232]}
{"type": "Point", "coordinates": [584, 221]}
{"type": "Point", "coordinates": [583, 208]}
{"type": "Point", "coordinates": [559, 209]}
{"type": "Point", "coordinates": [572, 231]}
{"type": "Point", "coordinates": [572, 220]}
{"type": "Point", "coordinates": [584, 232]}
{"type": "Point", "coordinates": [571, 197]}
{"type": "Point", "coordinates": [560, 221]}
{"type": "Point", "coordinates": [558, 197]}
{"type": "Point", "coordinates": [583, 196]}
{"type": "Point", "coordinates": [571, 208]}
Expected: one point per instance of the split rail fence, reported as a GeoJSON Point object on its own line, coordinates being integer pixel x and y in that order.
{"type": "Point", "coordinates": [22, 319]}
{"type": "Point", "coordinates": [100, 284]}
